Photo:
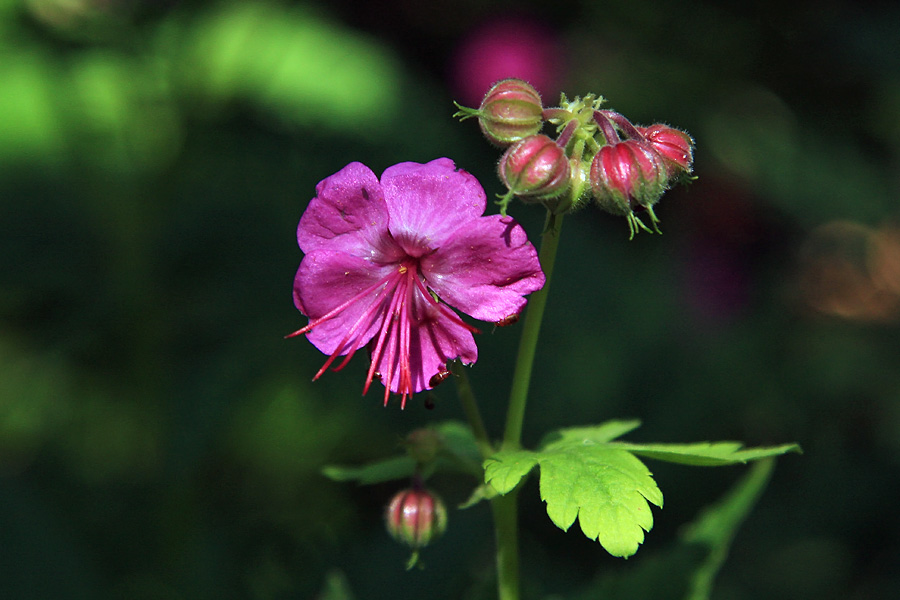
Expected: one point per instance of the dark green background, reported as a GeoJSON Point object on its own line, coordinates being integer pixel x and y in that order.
{"type": "Point", "coordinates": [159, 438]}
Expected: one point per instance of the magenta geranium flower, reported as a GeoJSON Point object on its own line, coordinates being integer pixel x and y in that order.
{"type": "Point", "coordinates": [385, 260]}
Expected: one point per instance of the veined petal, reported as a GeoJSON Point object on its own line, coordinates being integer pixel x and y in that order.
{"type": "Point", "coordinates": [349, 215]}
{"type": "Point", "coordinates": [327, 280]}
{"type": "Point", "coordinates": [485, 268]}
{"type": "Point", "coordinates": [428, 202]}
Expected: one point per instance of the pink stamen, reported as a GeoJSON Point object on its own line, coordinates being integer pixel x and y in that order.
{"type": "Point", "coordinates": [374, 307]}
{"type": "Point", "coordinates": [387, 325]}
{"type": "Point", "coordinates": [405, 384]}
{"type": "Point", "coordinates": [393, 303]}
{"type": "Point", "coordinates": [446, 310]}
{"type": "Point", "coordinates": [355, 328]}
{"type": "Point", "coordinates": [336, 311]}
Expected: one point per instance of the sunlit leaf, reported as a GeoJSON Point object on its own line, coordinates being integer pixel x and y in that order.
{"type": "Point", "coordinates": [605, 488]}
{"type": "Point", "coordinates": [504, 470]}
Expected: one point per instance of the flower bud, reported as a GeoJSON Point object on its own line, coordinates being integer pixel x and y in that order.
{"type": "Point", "coordinates": [626, 174]}
{"type": "Point", "coordinates": [416, 517]}
{"type": "Point", "coordinates": [510, 111]}
{"type": "Point", "coordinates": [423, 445]}
{"type": "Point", "coordinates": [675, 147]}
{"type": "Point", "coordinates": [535, 168]}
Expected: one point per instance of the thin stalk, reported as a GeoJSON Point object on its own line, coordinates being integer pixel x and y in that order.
{"type": "Point", "coordinates": [534, 314]}
{"type": "Point", "coordinates": [505, 508]}
{"type": "Point", "coordinates": [470, 407]}
{"type": "Point", "coordinates": [506, 522]}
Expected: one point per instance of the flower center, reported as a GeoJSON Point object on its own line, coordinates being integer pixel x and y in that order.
{"type": "Point", "coordinates": [397, 305]}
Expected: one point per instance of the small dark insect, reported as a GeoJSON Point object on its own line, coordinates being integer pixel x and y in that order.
{"type": "Point", "coordinates": [429, 402]}
{"type": "Point", "coordinates": [438, 377]}
{"type": "Point", "coordinates": [508, 320]}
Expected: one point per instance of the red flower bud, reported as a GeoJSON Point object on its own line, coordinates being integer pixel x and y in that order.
{"type": "Point", "coordinates": [535, 168]}
{"type": "Point", "coordinates": [510, 111]}
{"type": "Point", "coordinates": [626, 176]}
{"type": "Point", "coordinates": [675, 147]}
{"type": "Point", "coordinates": [416, 517]}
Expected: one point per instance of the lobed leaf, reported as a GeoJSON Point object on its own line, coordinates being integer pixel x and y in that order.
{"type": "Point", "coordinates": [586, 476]}
{"type": "Point", "coordinates": [607, 489]}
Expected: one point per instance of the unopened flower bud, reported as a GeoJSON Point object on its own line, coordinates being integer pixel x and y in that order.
{"type": "Point", "coordinates": [675, 147]}
{"type": "Point", "coordinates": [423, 445]}
{"type": "Point", "coordinates": [416, 517]}
{"type": "Point", "coordinates": [626, 176]}
{"type": "Point", "coordinates": [535, 168]}
{"type": "Point", "coordinates": [510, 111]}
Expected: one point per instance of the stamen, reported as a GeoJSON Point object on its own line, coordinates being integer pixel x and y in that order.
{"type": "Point", "coordinates": [447, 311]}
{"type": "Point", "coordinates": [405, 385]}
{"type": "Point", "coordinates": [386, 326]}
{"type": "Point", "coordinates": [355, 328]}
{"type": "Point", "coordinates": [336, 311]}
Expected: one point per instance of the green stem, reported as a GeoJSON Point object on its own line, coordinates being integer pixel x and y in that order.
{"type": "Point", "coordinates": [534, 314]}
{"type": "Point", "coordinates": [470, 407]}
{"type": "Point", "coordinates": [505, 508]}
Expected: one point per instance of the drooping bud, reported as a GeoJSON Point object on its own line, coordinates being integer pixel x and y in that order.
{"type": "Point", "coordinates": [675, 147]}
{"type": "Point", "coordinates": [423, 445]}
{"type": "Point", "coordinates": [626, 176]}
{"type": "Point", "coordinates": [510, 111]}
{"type": "Point", "coordinates": [535, 168]}
{"type": "Point", "coordinates": [416, 517]}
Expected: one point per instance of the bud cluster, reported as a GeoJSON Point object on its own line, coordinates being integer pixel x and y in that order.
{"type": "Point", "coordinates": [597, 155]}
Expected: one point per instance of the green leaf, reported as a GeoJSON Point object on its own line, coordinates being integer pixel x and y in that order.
{"type": "Point", "coordinates": [289, 62]}
{"type": "Point", "coordinates": [601, 483]}
{"type": "Point", "coordinates": [684, 570]}
{"type": "Point", "coordinates": [705, 454]}
{"type": "Point", "coordinates": [459, 450]}
{"type": "Point", "coordinates": [399, 467]}
{"type": "Point", "coordinates": [607, 489]}
{"type": "Point", "coordinates": [505, 469]}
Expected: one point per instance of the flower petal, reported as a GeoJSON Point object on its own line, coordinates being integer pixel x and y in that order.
{"type": "Point", "coordinates": [428, 202]}
{"type": "Point", "coordinates": [325, 281]}
{"type": "Point", "coordinates": [349, 215]}
{"type": "Point", "coordinates": [485, 268]}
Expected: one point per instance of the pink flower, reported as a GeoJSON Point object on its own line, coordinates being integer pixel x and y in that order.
{"type": "Point", "coordinates": [383, 259]}
{"type": "Point", "coordinates": [509, 46]}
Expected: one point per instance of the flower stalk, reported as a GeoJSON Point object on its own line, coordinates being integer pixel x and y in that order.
{"type": "Point", "coordinates": [505, 508]}
{"type": "Point", "coordinates": [531, 326]}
